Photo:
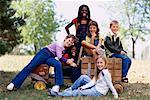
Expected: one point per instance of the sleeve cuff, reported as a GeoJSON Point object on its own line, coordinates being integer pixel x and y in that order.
{"type": "Point", "coordinates": [62, 59]}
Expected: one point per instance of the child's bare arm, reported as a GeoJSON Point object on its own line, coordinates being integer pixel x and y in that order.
{"type": "Point", "coordinates": [71, 63]}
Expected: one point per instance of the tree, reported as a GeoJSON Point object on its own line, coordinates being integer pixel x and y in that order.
{"type": "Point", "coordinates": [138, 17]}
{"type": "Point", "coordinates": [41, 22]}
{"type": "Point", "coordinates": [9, 33]}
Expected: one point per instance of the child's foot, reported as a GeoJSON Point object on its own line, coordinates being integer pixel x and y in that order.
{"type": "Point", "coordinates": [124, 79]}
{"type": "Point", "coordinates": [56, 88]}
{"type": "Point", "coordinates": [51, 92]}
{"type": "Point", "coordinates": [10, 87]}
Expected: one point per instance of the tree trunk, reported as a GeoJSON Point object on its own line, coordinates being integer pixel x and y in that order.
{"type": "Point", "coordinates": [35, 49]}
{"type": "Point", "coordinates": [133, 48]}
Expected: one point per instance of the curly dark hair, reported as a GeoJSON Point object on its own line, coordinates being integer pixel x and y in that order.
{"type": "Point", "coordinates": [80, 14]}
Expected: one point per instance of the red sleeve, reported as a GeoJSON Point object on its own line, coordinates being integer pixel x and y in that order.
{"type": "Point", "coordinates": [74, 20]}
{"type": "Point", "coordinates": [66, 56]}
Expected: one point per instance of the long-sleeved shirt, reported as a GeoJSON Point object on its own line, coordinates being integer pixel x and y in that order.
{"type": "Point", "coordinates": [103, 84]}
{"type": "Point", "coordinates": [57, 48]}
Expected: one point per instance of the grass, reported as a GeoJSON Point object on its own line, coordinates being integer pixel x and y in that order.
{"type": "Point", "coordinates": [137, 89]}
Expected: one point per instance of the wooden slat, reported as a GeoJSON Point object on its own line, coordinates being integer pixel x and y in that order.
{"type": "Point", "coordinates": [116, 73]}
{"type": "Point", "coordinates": [87, 59]}
{"type": "Point", "coordinates": [116, 79]}
{"type": "Point", "coordinates": [84, 71]}
{"type": "Point", "coordinates": [85, 65]}
{"type": "Point", "coordinates": [114, 65]}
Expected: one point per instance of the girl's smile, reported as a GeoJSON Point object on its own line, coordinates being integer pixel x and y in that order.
{"type": "Point", "coordinates": [93, 30]}
{"type": "Point", "coordinates": [100, 64]}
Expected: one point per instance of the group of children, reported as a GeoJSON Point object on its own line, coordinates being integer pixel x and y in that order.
{"type": "Point", "coordinates": [87, 37]}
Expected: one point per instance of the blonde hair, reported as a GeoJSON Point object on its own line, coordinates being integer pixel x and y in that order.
{"type": "Point", "coordinates": [97, 71]}
{"type": "Point", "coordinates": [104, 58]}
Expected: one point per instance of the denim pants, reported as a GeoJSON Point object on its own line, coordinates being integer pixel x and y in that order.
{"type": "Point", "coordinates": [126, 63]}
{"type": "Point", "coordinates": [43, 56]}
{"type": "Point", "coordinates": [74, 91]}
{"type": "Point", "coordinates": [73, 72]}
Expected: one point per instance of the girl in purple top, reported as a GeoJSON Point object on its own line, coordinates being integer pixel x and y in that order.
{"type": "Point", "coordinates": [47, 55]}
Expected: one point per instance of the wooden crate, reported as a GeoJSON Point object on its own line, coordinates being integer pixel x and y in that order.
{"type": "Point", "coordinates": [48, 72]}
{"type": "Point", "coordinates": [114, 66]}
{"type": "Point", "coordinates": [67, 79]}
{"type": "Point", "coordinates": [87, 66]}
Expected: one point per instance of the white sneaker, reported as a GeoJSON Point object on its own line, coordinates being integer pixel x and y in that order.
{"type": "Point", "coordinates": [56, 88]}
{"type": "Point", "coordinates": [10, 86]}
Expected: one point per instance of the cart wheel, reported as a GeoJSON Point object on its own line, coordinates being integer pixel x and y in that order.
{"type": "Point", "coordinates": [119, 88]}
{"type": "Point", "coordinates": [39, 85]}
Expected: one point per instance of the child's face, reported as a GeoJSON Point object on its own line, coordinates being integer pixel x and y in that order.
{"type": "Point", "coordinates": [114, 28]}
{"type": "Point", "coordinates": [93, 29]}
{"type": "Point", "coordinates": [84, 11]}
{"type": "Point", "coordinates": [68, 42]}
{"type": "Point", "coordinates": [100, 63]}
{"type": "Point", "coordinates": [74, 50]}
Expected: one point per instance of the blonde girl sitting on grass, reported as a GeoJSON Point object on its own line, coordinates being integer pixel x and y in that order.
{"type": "Point", "coordinates": [98, 86]}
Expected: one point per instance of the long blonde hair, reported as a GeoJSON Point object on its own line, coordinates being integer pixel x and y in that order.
{"type": "Point", "coordinates": [97, 71]}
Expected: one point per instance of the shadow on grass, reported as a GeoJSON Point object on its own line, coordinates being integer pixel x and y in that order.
{"type": "Point", "coordinates": [134, 91]}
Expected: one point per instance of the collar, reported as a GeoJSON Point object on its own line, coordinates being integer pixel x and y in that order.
{"type": "Point", "coordinates": [112, 34]}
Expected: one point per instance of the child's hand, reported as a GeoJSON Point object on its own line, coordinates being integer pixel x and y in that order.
{"type": "Point", "coordinates": [73, 64]}
{"type": "Point", "coordinates": [69, 61]}
{"type": "Point", "coordinates": [115, 96]}
{"type": "Point", "coordinates": [122, 52]}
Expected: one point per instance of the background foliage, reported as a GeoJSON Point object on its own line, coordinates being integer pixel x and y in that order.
{"type": "Point", "coordinates": [9, 34]}
{"type": "Point", "coordinates": [41, 22]}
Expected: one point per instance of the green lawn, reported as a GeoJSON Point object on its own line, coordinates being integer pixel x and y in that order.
{"type": "Point", "coordinates": [135, 90]}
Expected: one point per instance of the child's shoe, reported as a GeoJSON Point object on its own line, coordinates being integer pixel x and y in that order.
{"type": "Point", "coordinates": [56, 88]}
{"type": "Point", "coordinates": [54, 91]}
{"type": "Point", "coordinates": [124, 79]}
{"type": "Point", "coordinates": [10, 87]}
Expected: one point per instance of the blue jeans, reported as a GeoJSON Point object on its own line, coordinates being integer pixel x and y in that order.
{"type": "Point", "coordinates": [74, 91]}
{"type": "Point", "coordinates": [73, 72]}
{"type": "Point", "coordinates": [126, 63]}
{"type": "Point", "coordinates": [43, 56]}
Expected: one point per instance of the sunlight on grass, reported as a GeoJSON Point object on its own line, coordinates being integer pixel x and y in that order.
{"type": "Point", "coordinates": [11, 64]}
{"type": "Point", "coordinates": [139, 71]}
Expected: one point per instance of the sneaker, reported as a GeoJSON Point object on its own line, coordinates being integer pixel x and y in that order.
{"type": "Point", "coordinates": [56, 88]}
{"type": "Point", "coordinates": [51, 92]}
{"type": "Point", "coordinates": [10, 87]}
{"type": "Point", "coordinates": [124, 79]}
